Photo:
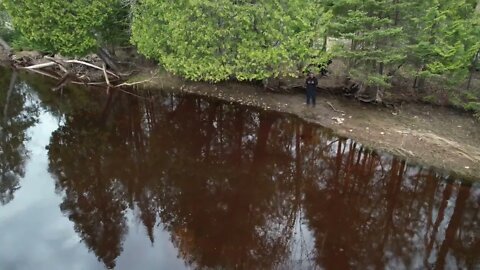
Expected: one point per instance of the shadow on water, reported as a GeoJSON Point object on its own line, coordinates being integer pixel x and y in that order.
{"type": "Point", "coordinates": [239, 188]}
{"type": "Point", "coordinates": [18, 112]}
{"type": "Point", "coordinates": [234, 187]}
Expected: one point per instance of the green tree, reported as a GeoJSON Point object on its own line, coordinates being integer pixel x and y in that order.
{"type": "Point", "coordinates": [67, 27]}
{"type": "Point", "coordinates": [475, 64]}
{"type": "Point", "coordinates": [375, 38]}
{"type": "Point", "coordinates": [446, 40]}
{"type": "Point", "coordinates": [219, 40]}
{"type": "Point", "coordinates": [5, 30]}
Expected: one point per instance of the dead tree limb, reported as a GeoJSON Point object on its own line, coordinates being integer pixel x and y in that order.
{"type": "Point", "coordinates": [63, 81]}
{"type": "Point", "coordinates": [135, 83]}
{"type": "Point", "coordinates": [105, 75]}
{"type": "Point", "coordinates": [63, 65]}
{"type": "Point", "coordinates": [108, 59]}
{"type": "Point", "coordinates": [89, 83]}
{"type": "Point", "coordinates": [63, 72]}
{"type": "Point", "coordinates": [60, 63]}
{"type": "Point", "coordinates": [56, 62]}
{"type": "Point", "coordinates": [45, 74]}
{"type": "Point", "coordinates": [39, 66]}
{"type": "Point", "coordinates": [333, 108]}
{"type": "Point", "coordinates": [92, 66]}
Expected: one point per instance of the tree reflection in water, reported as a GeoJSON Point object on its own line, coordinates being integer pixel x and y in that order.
{"type": "Point", "coordinates": [18, 112]}
{"type": "Point", "coordinates": [233, 185]}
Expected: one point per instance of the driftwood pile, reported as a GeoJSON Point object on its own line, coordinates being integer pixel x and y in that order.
{"type": "Point", "coordinates": [67, 71]}
{"type": "Point", "coordinates": [88, 71]}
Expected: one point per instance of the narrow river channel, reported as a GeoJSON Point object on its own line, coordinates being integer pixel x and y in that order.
{"type": "Point", "coordinates": [90, 180]}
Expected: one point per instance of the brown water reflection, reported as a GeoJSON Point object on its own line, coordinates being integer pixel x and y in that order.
{"type": "Point", "coordinates": [238, 188]}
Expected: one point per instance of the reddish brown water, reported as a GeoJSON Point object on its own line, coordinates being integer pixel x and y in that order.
{"type": "Point", "coordinates": [94, 181]}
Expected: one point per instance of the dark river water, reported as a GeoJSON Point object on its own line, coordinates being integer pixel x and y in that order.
{"type": "Point", "coordinates": [91, 180]}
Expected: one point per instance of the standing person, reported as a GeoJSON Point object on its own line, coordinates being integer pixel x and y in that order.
{"type": "Point", "coordinates": [311, 84]}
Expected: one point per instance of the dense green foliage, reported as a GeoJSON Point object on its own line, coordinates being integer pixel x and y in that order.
{"type": "Point", "coordinates": [405, 43]}
{"type": "Point", "coordinates": [68, 27]}
{"type": "Point", "coordinates": [5, 31]}
{"type": "Point", "coordinates": [428, 38]}
{"type": "Point", "coordinates": [375, 38]}
{"type": "Point", "coordinates": [217, 40]}
{"type": "Point", "coordinates": [448, 37]}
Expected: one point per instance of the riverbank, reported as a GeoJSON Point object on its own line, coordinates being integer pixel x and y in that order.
{"type": "Point", "coordinates": [429, 135]}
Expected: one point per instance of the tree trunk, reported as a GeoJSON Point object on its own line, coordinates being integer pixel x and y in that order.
{"type": "Point", "coordinates": [351, 63]}
{"type": "Point", "coordinates": [477, 55]}
{"type": "Point", "coordinates": [419, 82]}
{"type": "Point", "coordinates": [380, 89]}
{"type": "Point", "coordinates": [397, 13]}
{"type": "Point", "coordinates": [470, 76]}
{"type": "Point", "coordinates": [379, 95]}
{"type": "Point", "coordinates": [473, 69]}
{"type": "Point", "coordinates": [5, 46]}
{"type": "Point", "coordinates": [107, 58]}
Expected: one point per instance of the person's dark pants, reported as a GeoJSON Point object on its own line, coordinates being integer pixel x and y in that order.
{"type": "Point", "coordinates": [311, 96]}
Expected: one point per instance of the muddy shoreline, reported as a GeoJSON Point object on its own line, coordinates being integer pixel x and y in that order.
{"type": "Point", "coordinates": [432, 136]}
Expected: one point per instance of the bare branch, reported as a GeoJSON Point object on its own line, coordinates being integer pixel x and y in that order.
{"type": "Point", "coordinates": [105, 74]}
{"type": "Point", "coordinates": [59, 62]}
{"type": "Point", "coordinates": [89, 83]}
{"type": "Point", "coordinates": [39, 66]}
{"type": "Point", "coordinates": [90, 65]}
{"type": "Point", "coordinates": [63, 81]}
{"type": "Point", "coordinates": [135, 83]}
{"type": "Point", "coordinates": [44, 74]}
{"type": "Point", "coordinates": [333, 108]}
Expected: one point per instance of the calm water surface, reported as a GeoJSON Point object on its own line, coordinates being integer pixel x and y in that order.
{"type": "Point", "coordinates": [90, 180]}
